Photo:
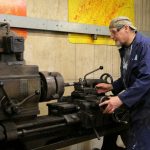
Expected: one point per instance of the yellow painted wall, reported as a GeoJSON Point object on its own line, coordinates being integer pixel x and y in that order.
{"type": "Point", "coordinates": [52, 51]}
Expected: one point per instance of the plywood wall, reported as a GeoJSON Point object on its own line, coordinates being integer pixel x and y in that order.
{"type": "Point", "coordinates": [142, 15]}
{"type": "Point", "coordinates": [52, 51]}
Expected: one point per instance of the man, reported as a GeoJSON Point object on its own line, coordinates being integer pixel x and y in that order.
{"type": "Point", "coordinates": [132, 89]}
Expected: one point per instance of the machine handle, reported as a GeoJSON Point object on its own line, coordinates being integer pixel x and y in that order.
{"type": "Point", "coordinates": [8, 105]}
{"type": "Point", "coordinates": [100, 68]}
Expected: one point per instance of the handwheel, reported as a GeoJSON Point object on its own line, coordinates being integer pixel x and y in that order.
{"type": "Point", "coordinates": [107, 78]}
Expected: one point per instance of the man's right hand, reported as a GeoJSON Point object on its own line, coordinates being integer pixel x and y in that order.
{"type": "Point", "coordinates": [103, 87]}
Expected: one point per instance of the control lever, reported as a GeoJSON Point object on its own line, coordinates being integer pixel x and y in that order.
{"type": "Point", "coordinates": [8, 105]}
{"type": "Point", "coordinates": [100, 68]}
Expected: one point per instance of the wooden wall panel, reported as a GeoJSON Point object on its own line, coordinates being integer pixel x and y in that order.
{"type": "Point", "coordinates": [48, 9]}
{"type": "Point", "coordinates": [84, 59]}
{"type": "Point", "coordinates": [142, 15]}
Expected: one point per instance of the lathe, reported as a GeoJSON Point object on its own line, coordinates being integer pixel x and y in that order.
{"type": "Point", "coordinates": [70, 120]}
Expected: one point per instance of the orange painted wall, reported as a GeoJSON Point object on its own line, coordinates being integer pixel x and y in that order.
{"type": "Point", "coordinates": [14, 7]}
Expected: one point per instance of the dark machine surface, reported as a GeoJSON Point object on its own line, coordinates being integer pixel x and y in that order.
{"type": "Point", "coordinates": [70, 120]}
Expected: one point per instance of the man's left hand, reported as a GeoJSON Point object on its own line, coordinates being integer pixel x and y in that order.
{"type": "Point", "coordinates": [112, 104]}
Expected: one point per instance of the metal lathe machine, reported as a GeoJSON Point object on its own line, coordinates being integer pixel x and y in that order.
{"type": "Point", "coordinates": [72, 119]}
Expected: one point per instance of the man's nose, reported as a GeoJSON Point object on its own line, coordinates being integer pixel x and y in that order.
{"type": "Point", "coordinates": [112, 36]}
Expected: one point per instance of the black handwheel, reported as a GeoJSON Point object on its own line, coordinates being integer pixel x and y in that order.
{"type": "Point", "coordinates": [107, 78]}
{"type": "Point", "coordinates": [121, 115]}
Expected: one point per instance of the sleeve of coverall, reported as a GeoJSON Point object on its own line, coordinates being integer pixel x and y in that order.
{"type": "Point", "coordinates": [117, 86]}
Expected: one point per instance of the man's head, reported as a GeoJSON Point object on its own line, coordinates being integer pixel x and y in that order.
{"type": "Point", "coordinates": [122, 30]}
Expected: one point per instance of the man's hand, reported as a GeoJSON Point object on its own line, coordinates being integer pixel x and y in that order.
{"type": "Point", "coordinates": [103, 87]}
{"type": "Point", "coordinates": [111, 104]}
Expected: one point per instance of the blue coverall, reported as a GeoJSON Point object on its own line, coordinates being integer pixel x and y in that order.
{"type": "Point", "coordinates": [134, 91]}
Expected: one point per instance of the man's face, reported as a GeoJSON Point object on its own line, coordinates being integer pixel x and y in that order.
{"type": "Point", "coordinates": [119, 35]}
